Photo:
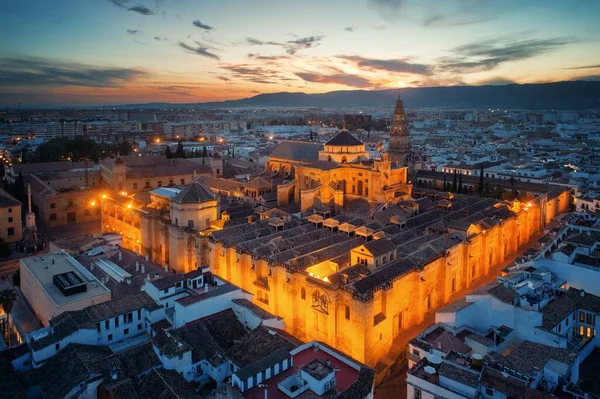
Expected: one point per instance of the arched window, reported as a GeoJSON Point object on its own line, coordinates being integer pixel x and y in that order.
{"type": "Point", "coordinates": [344, 159]}
{"type": "Point", "coordinates": [360, 187]}
{"type": "Point", "coordinates": [303, 293]}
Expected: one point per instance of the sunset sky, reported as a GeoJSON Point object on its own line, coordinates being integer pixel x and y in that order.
{"type": "Point", "coordinates": [89, 52]}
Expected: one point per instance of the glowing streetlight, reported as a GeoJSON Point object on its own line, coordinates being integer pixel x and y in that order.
{"type": "Point", "coordinates": [129, 206]}
{"type": "Point", "coordinates": [103, 195]}
{"type": "Point", "coordinates": [93, 203]}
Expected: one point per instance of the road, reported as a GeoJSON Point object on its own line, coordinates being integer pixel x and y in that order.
{"type": "Point", "coordinates": [395, 384]}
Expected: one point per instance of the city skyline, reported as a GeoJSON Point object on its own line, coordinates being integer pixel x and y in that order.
{"type": "Point", "coordinates": [123, 51]}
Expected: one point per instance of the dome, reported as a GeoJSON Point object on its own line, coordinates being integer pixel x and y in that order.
{"type": "Point", "coordinates": [344, 138]}
{"type": "Point", "coordinates": [195, 193]}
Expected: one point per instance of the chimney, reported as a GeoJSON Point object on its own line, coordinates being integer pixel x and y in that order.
{"type": "Point", "coordinates": [143, 268]}
{"type": "Point", "coordinates": [439, 345]}
{"type": "Point", "coordinates": [250, 219]}
{"type": "Point", "coordinates": [137, 265]}
{"type": "Point", "coordinates": [148, 276]}
{"type": "Point", "coordinates": [205, 287]}
{"type": "Point", "coordinates": [147, 258]}
{"type": "Point", "coordinates": [120, 256]}
{"type": "Point", "coordinates": [166, 267]}
{"type": "Point", "coordinates": [582, 293]}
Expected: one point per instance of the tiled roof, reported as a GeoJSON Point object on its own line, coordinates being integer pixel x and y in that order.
{"type": "Point", "coordinates": [195, 193]}
{"type": "Point", "coordinates": [503, 293]}
{"type": "Point", "coordinates": [459, 374]}
{"type": "Point", "coordinates": [301, 151]}
{"type": "Point", "coordinates": [556, 311]}
{"type": "Point", "coordinates": [165, 384]}
{"type": "Point", "coordinates": [7, 200]}
{"type": "Point", "coordinates": [260, 346]}
{"type": "Point", "coordinates": [529, 358]}
{"type": "Point", "coordinates": [344, 138]}
{"type": "Point", "coordinates": [379, 247]}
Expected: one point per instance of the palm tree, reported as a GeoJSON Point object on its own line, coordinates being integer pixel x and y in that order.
{"type": "Point", "coordinates": [7, 299]}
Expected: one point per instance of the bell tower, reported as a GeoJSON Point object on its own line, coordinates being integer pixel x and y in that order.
{"type": "Point", "coordinates": [399, 145]}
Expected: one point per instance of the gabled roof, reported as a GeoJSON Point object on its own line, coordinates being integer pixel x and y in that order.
{"type": "Point", "coordinates": [297, 151]}
{"type": "Point", "coordinates": [195, 193]}
{"type": "Point", "coordinates": [344, 138]}
{"type": "Point", "coordinates": [258, 182]}
{"type": "Point", "coordinates": [379, 247]}
{"type": "Point", "coordinates": [7, 200]}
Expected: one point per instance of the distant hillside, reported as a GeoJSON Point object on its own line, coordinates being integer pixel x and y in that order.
{"type": "Point", "coordinates": [559, 95]}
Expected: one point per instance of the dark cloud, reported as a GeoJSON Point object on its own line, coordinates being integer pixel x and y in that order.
{"type": "Point", "coordinates": [200, 25]}
{"type": "Point", "coordinates": [133, 31]}
{"type": "Point", "coordinates": [224, 79]}
{"type": "Point", "coordinates": [141, 10]}
{"type": "Point", "coordinates": [256, 56]}
{"type": "Point", "coordinates": [255, 42]}
{"type": "Point", "coordinates": [349, 28]}
{"type": "Point", "coordinates": [387, 9]}
{"type": "Point", "coordinates": [160, 38]}
{"type": "Point", "coordinates": [389, 65]}
{"type": "Point", "coordinates": [291, 46]}
{"type": "Point", "coordinates": [256, 74]}
{"type": "Point", "coordinates": [120, 3]}
{"type": "Point", "coordinates": [34, 71]}
{"type": "Point", "coordinates": [489, 54]}
{"type": "Point", "coordinates": [200, 50]}
{"type": "Point", "coordinates": [460, 20]}
{"type": "Point", "coordinates": [338, 78]}
{"type": "Point", "coordinates": [584, 67]}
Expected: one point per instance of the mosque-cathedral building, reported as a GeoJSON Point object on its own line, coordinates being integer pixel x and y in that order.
{"type": "Point", "coordinates": [331, 240]}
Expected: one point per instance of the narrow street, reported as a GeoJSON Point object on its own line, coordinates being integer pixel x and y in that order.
{"type": "Point", "coordinates": [394, 385]}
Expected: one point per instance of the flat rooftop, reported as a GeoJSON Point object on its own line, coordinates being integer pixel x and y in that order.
{"type": "Point", "coordinates": [44, 268]}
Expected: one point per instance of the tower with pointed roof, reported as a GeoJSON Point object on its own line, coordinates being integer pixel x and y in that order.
{"type": "Point", "coordinates": [399, 145]}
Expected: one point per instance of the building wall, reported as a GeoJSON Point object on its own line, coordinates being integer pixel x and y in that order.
{"type": "Point", "coordinates": [117, 217]}
{"type": "Point", "coordinates": [10, 222]}
{"type": "Point", "coordinates": [289, 295]}
{"type": "Point", "coordinates": [59, 209]}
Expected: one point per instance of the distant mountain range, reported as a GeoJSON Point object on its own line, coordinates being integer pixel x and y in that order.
{"type": "Point", "coordinates": [560, 95]}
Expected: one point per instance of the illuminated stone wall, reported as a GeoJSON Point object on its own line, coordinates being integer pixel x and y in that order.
{"type": "Point", "coordinates": [365, 328]}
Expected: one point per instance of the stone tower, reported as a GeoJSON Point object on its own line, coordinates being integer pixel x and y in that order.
{"type": "Point", "coordinates": [399, 146]}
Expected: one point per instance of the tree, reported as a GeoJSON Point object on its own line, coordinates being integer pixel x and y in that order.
{"type": "Point", "coordinates": [6, 185]}
{"type": "Point", "coordinates": [454, 182]}
{"type": "Point", "coordinates": [16, 278]}
{"type": "Point", "coordinates": [311, 135]}
{"type": "Point", "coordinates": [204, 152]}
{"type": "Point", "coordinates": [445, 183]}
{"type": "Point", "coordinates": [179, 152]}
{"type": "Point", "coordinates": [5, 251]}
{"type": "Point", "coordinates": [460, 184]}
{"type": "Point", "coordinates": [480, 186]}
{"type": "Point", "coordinates": [512, 182]}
{"type": "Point", "coordinates": [168, 152]}
{"type": "Point", "coordinates": [7, 299]}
